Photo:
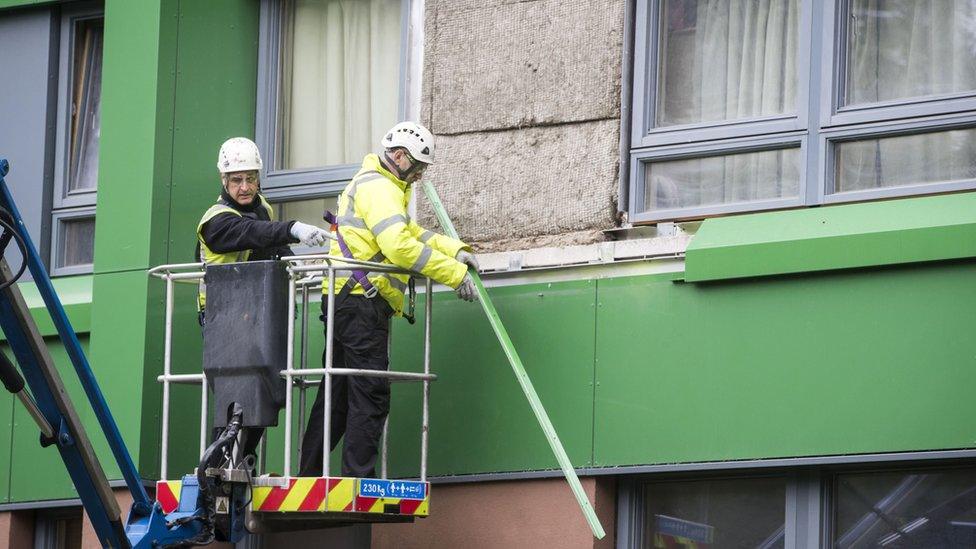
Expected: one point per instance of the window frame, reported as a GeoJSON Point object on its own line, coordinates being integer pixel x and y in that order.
{"type": "Point", "coordinates": [881, 130]}
{"type": "Point", "coordinates": [58, 219]}
{"type": "Point", "coordinates": [65, 204]}
{"type": "Point", "coordinates": [820, 121]}
{"type": "Point", "coordinates": [810, 498]}
{"type": "Point", "coordinates": [647, 75]}
{"type": "Point", "coordinates": [640, 161]}
{"type": "Point", "coordinates": [834, 74]}
{"type": "Point", "coordinates": [280, 185]}
{"type": "Point", "coordinates": [70, 17]}
{"type": "Point", "coordinates": [631, 495]}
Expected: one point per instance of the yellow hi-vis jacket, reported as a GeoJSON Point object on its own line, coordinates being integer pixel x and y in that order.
{"type": "Point", "coordinates": [211, 257]}
{"type": "Point", "coordinates": [374, 224]}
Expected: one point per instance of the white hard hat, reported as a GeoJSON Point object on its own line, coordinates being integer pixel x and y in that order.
{"type": "Point", "coordinates": [417, 139]}
{"type": "Point", "coordinates": [238, 154]}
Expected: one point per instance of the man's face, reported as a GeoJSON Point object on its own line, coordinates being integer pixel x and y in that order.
{"type": "Point", "coordinates": [241, 186]}
{"type": "Point", "coordinates": [404, 161]}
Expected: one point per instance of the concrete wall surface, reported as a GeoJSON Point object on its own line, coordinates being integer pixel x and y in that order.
{"type": "Point", "coordinates": [525, 100]}
{"type": "Point", "coordinates": [512, 514]}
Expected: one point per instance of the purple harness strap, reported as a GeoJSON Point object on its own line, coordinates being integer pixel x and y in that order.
{"type": "Point", "coordinates": [359, 276]}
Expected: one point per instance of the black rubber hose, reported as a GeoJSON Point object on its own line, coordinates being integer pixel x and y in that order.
{"type": "Point", "coordinates": [11, 378]}
{"type": "Point", "coordinates": [6, 221]}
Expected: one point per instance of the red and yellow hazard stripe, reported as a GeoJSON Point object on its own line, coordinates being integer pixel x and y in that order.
{"type": "Point", "coordinates": [305, 495]}
{"type": "Point", "coordinates": [168, 494]}
{"type": "Point", "coordinates": [334, 494]}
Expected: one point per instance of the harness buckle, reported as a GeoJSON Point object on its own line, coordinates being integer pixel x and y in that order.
{"type": "Point", "coordinates": [371, 292]}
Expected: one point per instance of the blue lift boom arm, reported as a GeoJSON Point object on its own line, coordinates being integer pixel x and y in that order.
{"type": "Point", "coordinates": [146, 525]}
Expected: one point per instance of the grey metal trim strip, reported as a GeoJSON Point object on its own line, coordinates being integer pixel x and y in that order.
{"type": "Point", "coordinates": [422, 260]}
{"type": "Point", "coordinates": [852, 459]}
{"type": "Point", "coordinates": [387, 223]}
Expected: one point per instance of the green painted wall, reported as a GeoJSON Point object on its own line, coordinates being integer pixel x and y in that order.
{"type": "Point", "coordinates": [38, 473]}
{"type": "Point", "coordinates": [875, 360]}
{"type": "Point", "coordinates": [635, 370]}
{"type": "Point", "coordinates": [160, 172]}
{"type": "Point", "coordinates": [166, 107]}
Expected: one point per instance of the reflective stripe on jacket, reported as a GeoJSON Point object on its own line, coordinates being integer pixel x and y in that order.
{"type": "Point", "coordinates": [374, 223]}
{"type": "Point", "coordinates": [211, 257]}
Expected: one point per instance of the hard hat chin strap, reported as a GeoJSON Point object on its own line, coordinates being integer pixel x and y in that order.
{"type": "Point", "coordinates": [402, 175]}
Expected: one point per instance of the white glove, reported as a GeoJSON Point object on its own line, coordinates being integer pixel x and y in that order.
{"type": "Point", "coordinates": [309, 235]}
{"type": "Point", "coordinates": [468, 259]}
{"type": "Point", "coordinates": [466, 290]}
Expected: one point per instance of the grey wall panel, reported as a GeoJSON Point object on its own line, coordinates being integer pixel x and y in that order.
{"type": "Point", "coordinates": [504, 64]}
{"type": "Point", "coordinates": [27, 41]}
{"type": "Point", "coordinates": [519, 184]}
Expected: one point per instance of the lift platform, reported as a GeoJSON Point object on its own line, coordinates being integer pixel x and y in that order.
{"type": "Point", "coordinates": [286, 502]}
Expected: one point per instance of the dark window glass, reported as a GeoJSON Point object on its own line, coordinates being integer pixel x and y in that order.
{"type": "Point", "coordinates": [934, 508]}
{"type": "Point", "coordinates": [76, 245]}
{"type": "Point", "coordinates": [722, 513]}
{"type": "Point", "coordinates": [86, 105]}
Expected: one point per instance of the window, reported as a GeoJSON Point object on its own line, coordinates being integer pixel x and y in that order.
{"type": "Point", "coordinates": [333, 76]}
{"type": "Point", "coordinates": [876, 505]}
{"type": "Point", "coordinates": [715, 513]}
{"type": "Point", "coordinates": [79, 116]}
{"type": "Point", "coordinates": [58, 529]}
{"type": "Point", "coordinates": [309, 211]}
{"type": "Point", "coordinates": [51, 126]}
{"type": "Point", "coordinates": [742, 105]}
{"type": "Point", "coordinates": [916, 508]}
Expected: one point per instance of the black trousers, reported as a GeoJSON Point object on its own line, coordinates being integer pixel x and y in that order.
{"type": "Point", "coordinates": [359, 404]}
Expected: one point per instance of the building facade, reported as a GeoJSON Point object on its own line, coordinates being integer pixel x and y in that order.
{"type": "Point", "coordinates": [732, 240]}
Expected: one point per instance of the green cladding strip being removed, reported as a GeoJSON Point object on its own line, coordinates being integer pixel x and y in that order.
{"type": "Point", "coordinates": [523, 378]}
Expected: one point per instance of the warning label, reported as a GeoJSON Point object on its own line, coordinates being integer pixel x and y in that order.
{"type": "Point", "coordinates": [223, 505]}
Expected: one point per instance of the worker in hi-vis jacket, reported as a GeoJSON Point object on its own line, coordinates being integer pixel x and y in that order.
{"type": "Point", "coordinates": [241, 227]}
{"type": "Point", "coordinates": [373, 225]}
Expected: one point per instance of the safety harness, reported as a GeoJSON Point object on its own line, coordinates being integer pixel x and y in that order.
{"type": "Point", "coordinates": [360, 277]}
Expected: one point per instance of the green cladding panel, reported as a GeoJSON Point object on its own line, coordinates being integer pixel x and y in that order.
{"type": "Point", "coordinates": [7, 404]}
{"type": "Point", "coordinates": [38, 473]}
{"type": "Point", "coordinates": [479, 420]}
{"type": "Point", "coordinates": [834, 363]}
{"type": "Point", "coordinates": [836, 237]}
{"type": "Point", "coordinates": [215, 100]}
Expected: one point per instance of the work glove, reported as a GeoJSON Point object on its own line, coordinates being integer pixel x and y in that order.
{"type": "Point", "coordinates": [468, 259]}
{"type": "Point", "coordinates": [309, 235]}
{"type": "Point", "coordinates": [466, 290]}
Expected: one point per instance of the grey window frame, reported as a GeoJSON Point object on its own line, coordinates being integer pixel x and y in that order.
{"type": "Point", "coordinates": [884, 129]}
{"type": "Point", "coordinates": [797, 505]}
{"type": "Point", "coordinates": [284, 185]}
{"type": "Point", "coordinates": [822, 47]}
{"type": "Point", "coordinates": [641, 159]}
{"type": "Point", "coordinates": [79, 204]}
{"type": "Point", "coordinates": [70, 16]}
{"type": "Point", "coordinates": [58, 219]}
{"type": "Point", "coordinates": [810, 500]}
{"type": "Point", "coordinates": [648, 72]}
{"type": "Point", "coordinates": [833, 74]}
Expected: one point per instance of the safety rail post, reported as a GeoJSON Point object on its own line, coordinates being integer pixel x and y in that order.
{"type": "Point", "coordinates": [203, 415]}
{"type": "Point", "coordinates": [425, 425]}
{"type": "Point", "coordinates": [167, 358]}
{"type": "Point", "coordinates": [289, 358]}
{"type": "Point", "coordinates": [383, 439]}
{"type": "Point", "coordinates": [327, 377]}
{"type": "Point", "coordinates": [303, 363]}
